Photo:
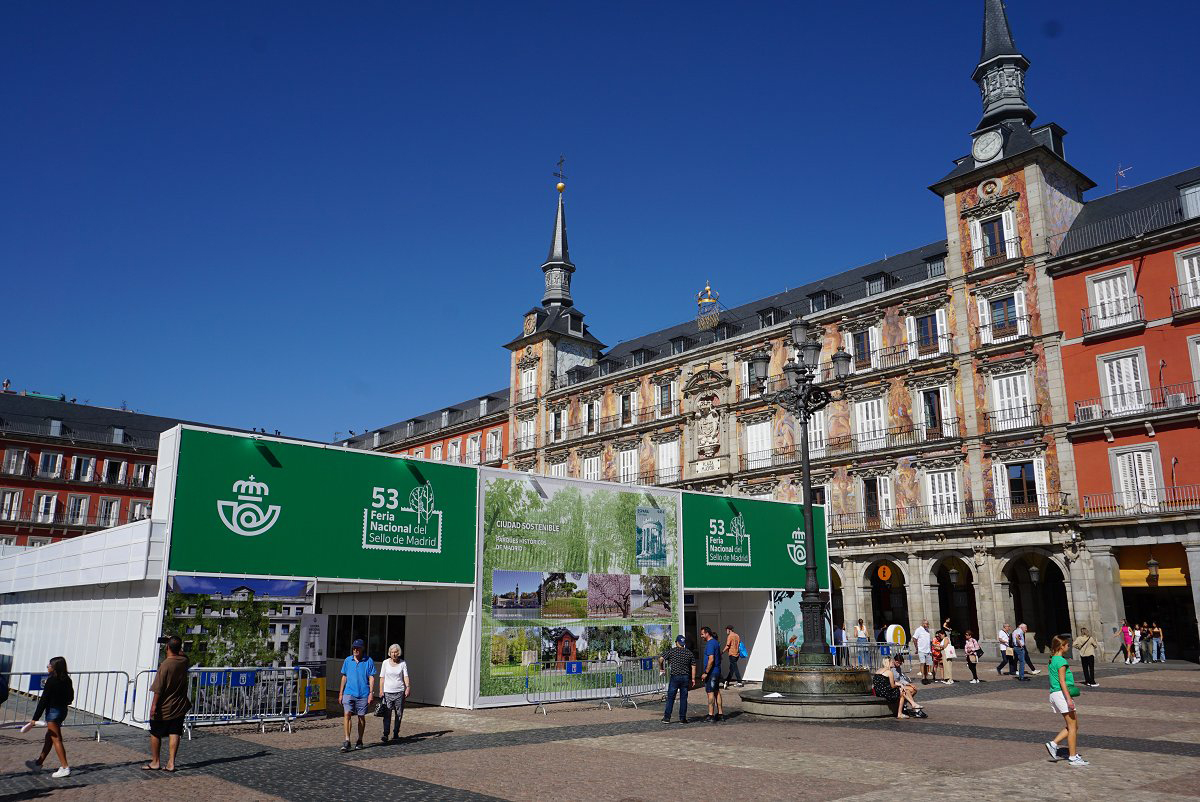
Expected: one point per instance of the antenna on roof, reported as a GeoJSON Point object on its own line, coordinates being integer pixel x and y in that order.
{"type": "Point", "coordinates": [1121, 171]}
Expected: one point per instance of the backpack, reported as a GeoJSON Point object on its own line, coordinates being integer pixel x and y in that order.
{"type": "Point", "coordinates": [742, 649]}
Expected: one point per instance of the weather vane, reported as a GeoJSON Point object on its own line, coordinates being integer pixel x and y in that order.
{"type": "Point", "coordinates": [559, 174]}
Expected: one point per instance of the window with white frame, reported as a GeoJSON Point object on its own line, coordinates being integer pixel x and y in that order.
{"type": "Point", "coordinates": [941, 488]}
{"type": "Point", "coordinates": [877, 501]}
{"type": "Point", "coordinates": [750, 388]}
{"type": "Point", "coordinates": [591, 468]}
{"type": "Point", "coordinates": [50, 465]}
{"type": "Point", "coordinates": [114, 471]}
{"type": "Point", "coordinates": [526, 433]}
{"type": "Point", "coordinates": [77, 509]}
{"type": "Point", "coordinates": [863, 347]}
{"type": "Point", "coordinates": [473, 449]}
{"type": "Point", "coordinates": [757, 447]}
{"type": "Point", "coordinates": [8, 540]}
{"type": "Point", "coordinates": [44, 507]}
{"type": "Point", "coordinates": [83, 469]}
{"type": "Point", "coordinates": [870, 427]}
{"type": "Point", "coordinates": [1010, 399]}
{"type": "Point", "coordinates": [37, 542]}
{"type": "Point", "coordinates": [817, 437]}
{"type": "Point", "coordinates": [139, 510]}
{"type": "Point", "coordinates": [558, 470]}
{"type": "Point", "coordinates": [483, 407]}
{"type": "Point", "coordinates": [493, 444]}
{"type": "Point", "coordinates": [1135, 477]}
{"type": "Point", "coordinates": [1002, 317]}
{"type": "Point", "coordinates": [628, 466]}
{"type": "Point", "coordinates": [1113, 302]}
{"type": "Point", "coordinates": [10, 505]}
{"type": "Point", "coordinates": [994, 240]}
{"type": "Point", "coordinates": [1189, 279]}
{"type": "Point", "coordinates": [926, 334]}
{"type": "Point", "coordinates": [629, 403]}
{"type": "Point", "coordinates": [143, 474]}
{"type": "Point", "coordinates": [436, 452]}
{"type": "Point", "coordinates": [668, 461]}
{"type": "Point", "coordinates": [664, 399]}
{"type": "Point", "coordinates": [454, 451]}
{"type": "Point", "coordinates": [936, 412]}
{"type": "Point", "coordinates": [1020, 488]}
{"type": "Point", "coordinates": [528, 383]}
{"type": "Point", "coordinates": [557, 424]}
{"type": "Point", "coordinates": [420, 452]}
{"type": "Point", "coordinates": [445, 418]}
{"type": "Point", "coordinates": [15, 460]}
{"type": "Point", "coordinates": [1123, 378]}
{"type": "Point", "coordinates": [1190, 196]}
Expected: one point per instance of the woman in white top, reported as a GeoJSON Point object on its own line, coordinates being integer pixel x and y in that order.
{"type": "Point", "coordinates": [393, 675]}
{"type": "Point", "coordinates": [861, 640]}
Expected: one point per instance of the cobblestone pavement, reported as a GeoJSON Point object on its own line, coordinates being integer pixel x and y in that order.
{"type": "Point", "coordinates": [1140, 731]}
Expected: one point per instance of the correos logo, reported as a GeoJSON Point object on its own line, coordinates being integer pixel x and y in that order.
{"type": "Point", "coordinates": [249, 515]}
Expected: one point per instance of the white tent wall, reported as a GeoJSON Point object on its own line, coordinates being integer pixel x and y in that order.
{"type": "Point", "coordinates": [749, 612]}
{"type": "Point", "coordinates": [438, 630]}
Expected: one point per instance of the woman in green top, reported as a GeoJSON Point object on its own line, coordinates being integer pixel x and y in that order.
{"type": "Point", "coordinates": [1062, 682]}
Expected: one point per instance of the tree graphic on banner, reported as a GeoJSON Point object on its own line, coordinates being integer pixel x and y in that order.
{"type": "Point", "coordinates": [420, 500]}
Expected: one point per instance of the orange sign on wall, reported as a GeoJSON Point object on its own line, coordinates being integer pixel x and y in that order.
{"type": "Point", "coordinates": [884, 572]}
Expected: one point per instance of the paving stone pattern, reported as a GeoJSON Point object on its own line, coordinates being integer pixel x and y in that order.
{"type": "Point", "coordinates": [1140, 731]}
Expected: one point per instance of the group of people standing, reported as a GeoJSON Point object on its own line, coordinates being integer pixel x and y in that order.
{"type": "Point", "coordinates": [1142, 644]}
{"type": "Point", "coordinates": [679, 663]}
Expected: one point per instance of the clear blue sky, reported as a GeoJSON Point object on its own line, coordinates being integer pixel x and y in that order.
{"type": "Point", "coordinates": [322, 217]}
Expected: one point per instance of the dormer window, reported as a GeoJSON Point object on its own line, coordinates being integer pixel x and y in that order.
{"type": "Point", "coordinates": [819, 301]}
{"type": "Point", "coordinates": [769, 317]}
{"type": "Point", "coordinates": [605, 368]}
{"type": "Point", "coordinates": [483, 405]}
{"type": "Point", "coordinates": [55, 427]}
{"type": "Point", "coordinates": [678, 345]}
{"type": "Point", "coordinates": [408, 429]}
{"type": "Point", "coordinates": [724, 331]}
{"type": "Point", "coordinates": [575, 324]}
{"type": "Point", "coordinates": [1190, 196]}
{"type": "Point", "coordinates": [877, 283]}
{"type": "Point", "coordinates": [118, 434]}
{"type": "Point", "coordinates": [445, 418]}
{"type": "Point", "coordinates": [640, 356]}
{"type": "Point", "coordinates": [935, 267]}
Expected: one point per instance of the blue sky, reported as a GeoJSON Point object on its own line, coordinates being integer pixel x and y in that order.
{"type": "Point", "coordinates": [320, 217]}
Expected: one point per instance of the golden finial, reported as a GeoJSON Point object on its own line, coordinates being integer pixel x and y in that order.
{"type": "Point", "coordinates": [560, 186]}
{"type": "Point", "coordinates": [707, 296]}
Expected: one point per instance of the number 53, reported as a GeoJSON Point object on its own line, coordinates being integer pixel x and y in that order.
{"type": "Point", "coordinates": [377, 498]}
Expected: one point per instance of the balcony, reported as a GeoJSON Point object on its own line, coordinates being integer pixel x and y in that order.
{"type": "Point", "coordinates": [1046, 505]}
{"type": "Point", "coordinates": [894, 356]}
{"type": "Point", "coordinates": [493, 456]}
{"type": "Point", "coordinates": [1185, 300]}
{"type": "Point", "coordinates": [909, 436]}
{"type": "Point", "coordinates": [28, 515]}
{"type": "Point", "coordinates": [1012, 419]}
{"type": "Point", "coordinates": [24, 470]}
{"type": "Point", "coordinates": [1181, 397]}
{"type": "Point", "coordinates": [525, 442]}
{"type": "Point", "coordinates": [997, 253]}
{"type": "Point", "coordinates": [1005, 331]}
{"type": "Point", "coordinates": [526, 394]}
{"type": "Point", "coordinates": [1174, 500]}
{"type": "Point", "coordinates": [1115, 317]}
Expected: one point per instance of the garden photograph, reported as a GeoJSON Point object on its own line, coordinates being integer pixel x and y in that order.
{"type": "Point", "coordinates": [564, 595]}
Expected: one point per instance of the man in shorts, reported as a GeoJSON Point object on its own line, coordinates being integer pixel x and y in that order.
{"type": "Point", "coordinates": [711, 674]}
{"type": "Point", "coordinates": [170, 705]}
{"type": "Point", "coordinates": [924, 644]}
{"type": "Point", "coordinates": [357, 690]}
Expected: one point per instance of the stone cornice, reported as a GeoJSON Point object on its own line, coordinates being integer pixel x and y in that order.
{"type": "Point", "coordinates": [751, 418]}
{"type": "Point", "coordinates": [923, 381]}
{"type": "Point", "coordinates": [668, 436]}
{"type": "Point", "coordinates": [1001, 288]}
{"type": "Point", "coordinates": [628, 444]}
{"type": "Point", "coordinates": [940, 461]}
{"type": "Point", "coordinates": [703, 380]}
{"type": "Point", "coordinates": [861, 322]}
{"type": "Point", "coordinates": [665, 378]}
{"type": "Point", "coordinates": [557, 457]}
{"type": "Point", "coordinates": [1023, 362]}
{"type": "Point", "coordinates": [923, 306]}
{"type": "Point", "coordinates": [867, 471]}
{"type": "Point", "coordinates": [529, 359]}
{"type": "Point", "coordinates": [1022, 451]}
{"type": "Point", "coordinates": [557, 405]}
{"type": "Point", "coordinates": [989, 207]}
{"type": "Point", "coordinates": [864, 393]}
{"type": "Point", "coordinates": [757, 488]}
{"type": "Point", "coordinates": [591, 451]}
{"type": "Point", "coordinates": [591, 395]}
{"type": "Point", "coordinates": [627, 386]}
{"type": "Point", "coordinates": [530, 414]}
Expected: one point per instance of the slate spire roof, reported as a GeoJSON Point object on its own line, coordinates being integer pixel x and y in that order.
{"type": "Point", "coordinates": [558, 245]}
{"type": "Point", "coordinates": [997, 36]}
{"type": "Point", "coordinates": [558, 266]}
{"type": "Point", "coordinates": [1001, 70]}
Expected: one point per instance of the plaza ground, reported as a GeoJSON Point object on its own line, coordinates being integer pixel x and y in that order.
{"type": "Point", "coordinates": [1141, 733]}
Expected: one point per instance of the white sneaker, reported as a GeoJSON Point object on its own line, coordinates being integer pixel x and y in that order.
{"type": "Point", "coordinates": [33, 765]}
{"type": "Point", "coordinates": [1052, 748]}
{"type": "Point", "coordinates": [949, 682]}
{"type": "Point", "coordinates": [63, 771]}
{"type": "Point", "coordinates": [1034, 671]}
{"type": "Point", "coordinates": [1078, 761]}
{"type": "Point", "coordinates": [974, 682]}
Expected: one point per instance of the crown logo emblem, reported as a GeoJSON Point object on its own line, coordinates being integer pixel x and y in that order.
{"type": "Point", "coordinates": [249, 516]}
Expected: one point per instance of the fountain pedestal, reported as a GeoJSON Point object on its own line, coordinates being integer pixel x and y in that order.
{"type": "Point", "coordinates": [815, 689]}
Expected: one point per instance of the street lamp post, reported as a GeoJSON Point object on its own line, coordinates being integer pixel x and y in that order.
{"type": "Point", "coordinates": [802, 397]}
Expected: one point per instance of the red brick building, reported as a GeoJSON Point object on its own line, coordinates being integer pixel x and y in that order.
{"type": "Point", "coordinates": [67, 468]}
{"type": "Point", "coordinates": [1127, 290]}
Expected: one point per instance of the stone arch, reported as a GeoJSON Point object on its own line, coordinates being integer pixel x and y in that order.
{"type": "Point", "coordinates": [888, 599]}
{"type": "Point", "coordinates": [954, 591]}
{"type": "Point", "coordinates": [1043, 605]}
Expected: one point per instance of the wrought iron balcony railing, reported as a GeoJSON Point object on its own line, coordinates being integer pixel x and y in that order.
{"type": "Point", "coordinates": [30, 515]}
{"type": "Point", "coordinates": [1004, 331]}
{"type": "Point", "coordinates": [1043, 505]}
{"type": "Point", "coordinates": [997, 253]}
{"type": "Point", "coordinates": [1113, 314]}
{"type": "Point", "coordinates": [1138, 402]}
{"type": "Point", "coordinates": [525, 443]}
{"type": "Point", "coordinates": [1143, 501]}
{"type": "Point", "coordinates": [820, 446]}
{"type": "Point", "coordinates": [1013, 418]}
{"type": "Point", "coordinates": [1185, 298]}
{"type": "Point", "coordinates": [526, 394]}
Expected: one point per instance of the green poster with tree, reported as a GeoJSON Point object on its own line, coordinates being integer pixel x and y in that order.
{"type": "Point", "coordinates": [572, 571]}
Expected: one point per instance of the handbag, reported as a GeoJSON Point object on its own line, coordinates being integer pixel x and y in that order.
{"type": "Point", "coordinates": [1072, 689]}
{"type": "Point", "coordinates": [742, 649]}
{"type": "Point", "coordinates": [948, 653]}
{"type": "Point", "coordinates": [378, 709]}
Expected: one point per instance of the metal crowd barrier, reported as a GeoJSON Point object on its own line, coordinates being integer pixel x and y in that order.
{"type": "Point", "coordinates": [871, 656]}
{"type": "Point", "coordinates": [641, 676]}
{"type": "Point", "coordinates": [234, 695]}
{"type": "Point", "coordinates": [101, 697]}
{"type": "Point", "coordinates": [572, 681]}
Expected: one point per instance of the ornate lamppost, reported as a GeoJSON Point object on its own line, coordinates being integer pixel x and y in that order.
{"type": "Point", "coordinates": [802, 397]}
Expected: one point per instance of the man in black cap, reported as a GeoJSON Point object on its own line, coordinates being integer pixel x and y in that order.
{"type": "Point", "coordinates": [357, 690]}
{"type": "Point", "coordinates": [680, 665]}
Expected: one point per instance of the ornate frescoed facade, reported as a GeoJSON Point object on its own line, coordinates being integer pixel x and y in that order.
{"type": "Point", "coordinates": [945, 460]}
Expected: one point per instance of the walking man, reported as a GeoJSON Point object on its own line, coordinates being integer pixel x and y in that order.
{"type": "Point", "coordinates": [733, 648]}
{"type": "Point", "coordinates": [680, 665]}
{"type": "Point", "coordinates": [170, 705]}
{"type": "Point", "coordinates": [924, 642]}
{"type": "Point", "coordinates": [1004, 641]}
{"type": "Point", "coordinates": [357, 690]}
{"type": "Point", "coordinates": [711, 677]}
{"type": "Point", "coordinates": [1018, 642]}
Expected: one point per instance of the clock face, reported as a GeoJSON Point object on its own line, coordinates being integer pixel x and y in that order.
{"type": "Point", "coordinates": [987, 145]}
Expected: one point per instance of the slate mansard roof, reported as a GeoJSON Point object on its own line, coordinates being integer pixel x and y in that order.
{"type": "Point", "coordinates": [32, 414]}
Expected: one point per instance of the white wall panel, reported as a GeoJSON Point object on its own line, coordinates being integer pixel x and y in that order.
{"type": "Point", "coordinates": [750, 614]}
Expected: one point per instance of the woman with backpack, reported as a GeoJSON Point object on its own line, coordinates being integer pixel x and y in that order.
{"type": "Point", "coordinates": [57, 694]}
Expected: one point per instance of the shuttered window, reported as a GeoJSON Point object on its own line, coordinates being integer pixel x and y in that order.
{"type": "Point", "coordinates": [1010, 395]}
{"type": "Point", "coordinates": [1137, 483]}
{"type": "Point", "coordinates": [942, 488]}
{"type": "Point", "coordinates": [558, 470]}
{"type": "Point", "coordinates": [1114, 305]}
{"type": "Point", "coordinates": [758, 445]}
{"type": "Point", "coordinates": [591, 468]}
{"type": "Point", "coordinates": [816, 434]}
{"type": "Point", "coordinates": [668, 461]}
{"type": "Point", "coordinates": [869, 424]}
{"type": "Point", "coordinates": [628, 465]}
{"type": "Point", "coordinates": [1190, 291]}
{"type": "Point", "coordinates": [1123, 381]}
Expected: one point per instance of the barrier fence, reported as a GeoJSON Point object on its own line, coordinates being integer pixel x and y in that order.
{"type": "Point", "coordinates": [572, 681]}
{"type": "Point", "coordinates": [235, 695]}
{"type": "Point", "coordinates": [641, 676]}
{"type": "Point", "coordinates": [101, 697]}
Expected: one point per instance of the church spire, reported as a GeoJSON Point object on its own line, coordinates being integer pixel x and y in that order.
{"type": "Point", "coordinates": [1001, 70]}
{"type": "Point", "coordinates": [558, 267]}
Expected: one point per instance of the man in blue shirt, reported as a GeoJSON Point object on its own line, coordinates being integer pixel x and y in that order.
{"type": "Point", "coordinates": [711, 674]}
{"type": "Point", "coordinates": [357, 690]}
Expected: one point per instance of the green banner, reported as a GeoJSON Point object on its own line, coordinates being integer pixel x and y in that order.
{"type": "Point", "coordinates": [258, 506]}
{"type": "Point", "coordinates": [740, 544]}
{"type": "Point", "coordinates": [573, 573]}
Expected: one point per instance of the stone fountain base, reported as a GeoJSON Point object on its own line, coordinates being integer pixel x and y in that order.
{"type": "Point", "coordinates": [815, 692]}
